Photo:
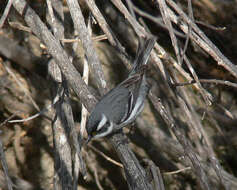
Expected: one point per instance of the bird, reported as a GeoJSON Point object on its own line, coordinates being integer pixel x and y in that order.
{"type": "Point", "coordinates": [122, 104]}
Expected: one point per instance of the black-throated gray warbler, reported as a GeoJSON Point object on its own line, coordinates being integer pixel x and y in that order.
{"type": "Point", "coordinates": [121, 105]}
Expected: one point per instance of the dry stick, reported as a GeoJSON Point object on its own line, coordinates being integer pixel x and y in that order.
{"type": "Point", "coordinates": [70, 128]}
{"type": "Point", "coordinates": [177, 171]}
{"type": "Point", "coordinates": [18, 149]}
{"type": "Point", "coordinates": [135, 173]}
{"type": "Point", "coordinates": [97, 177]}
{"type": "Point", "coordinates": [8, 119]}
{"type": "Point", "coordinates": [107, 30]}
{"type": "Point", "coordinates": [185, 143]}
{"type": "Point", "coordinates": [84, 112]}
{"type": "Point", "coordinates": [182, 139]}
{"type": "Point", "coordinates": [206, 96]}
{"type": "Point", "coordinates": [42, 112]}
{"type": "Point", "coordinates": [156, 20]}
{"type": "Point", "coordinates": [156, 175]}
{"type": "Point", "coordinates": [6, 11]}
{"type": "Point", "coordinates": [4, 166]}
{"type": "Point", "coordinates": [192, 119]}
{"type": "Point", "coordinates": [55, 49]}
{"type": "Point", "coordinates": [63, 176]}
{"type": "Point", "coordinates": [210, 26]}
{"type": "Point", "coordinates": [126, 155]}
{"type": "Point", "coordinates": [193, 123]}
{"type": "Point", "coordinates": [106, 157]}
{"type": "Point", "coordinates": [164, 12]}
{"type": "Point", "coordinates": [137, 180]}
{"type": "Point", "coordinates": [164, 55]}
{"type": "Point", "coordinates": [96, 39]}
{"type": "Point", "coordinates": [161, 182]}
{"type": "Point", "coordinates": [175, 150]}
{"type": "Point", "coordinates": [209, 150]}
{"type": "Point", "coordinates": [190, 12]}
{"type": "Point", "coordinates": [130, 5]}
{"type": "Point", "coordinates": [93, 167]}
{"type": "Point", "coordinates": [80, 139]}
{"type": "Point", "coordinates": [226, 112]}
{"type": "Point", "coordinates": [19, 26]}
{"type": "Point", "coordinates": [214, 161]}
{"type": "Point", "coordinates": [166, 19]}
{"type": "Point", "coordinates": [214, 81]}
{"type": "Point", "coordinates": [93, 60]}
{"type": "Point", "coordinates": [200, 128]}
{"type": "Point", "coordinates": [204, 93]}
{"type": "Point", "coordinates": [200, 38]}
{"type": "Point", "coordinates": [138, 29]}
{"type": "Point", "coordinates": [62, 152]}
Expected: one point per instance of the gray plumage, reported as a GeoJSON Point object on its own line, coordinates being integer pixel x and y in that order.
{"type": "Point", "coordinates": [121, 105]}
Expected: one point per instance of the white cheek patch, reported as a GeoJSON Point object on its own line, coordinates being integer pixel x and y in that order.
{"type": "Point", "coordinates": [105, 133]}
{"type": "Point", "coordinates": [102, 122]}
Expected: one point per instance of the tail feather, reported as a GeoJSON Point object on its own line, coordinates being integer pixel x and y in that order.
{"type": "Point", "coordinates": [143, 53]}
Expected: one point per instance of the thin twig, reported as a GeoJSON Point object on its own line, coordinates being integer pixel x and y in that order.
{"type": "Point", "coordinates": [97, 178]}
{"type": "Point", "coordinates": [84, 112]}
{"type": "Point", "coordinates": [214, 81]}
{"type": "Point", "coordinates": [200, 38]}
{"type": "Point", "coordinates": [210, 26]}
{"type": "Point", "coordinates": [35, 115]}
{"type": "Point", "coordinates": [58, 53]}
{"type": "Point", "coordinates": [190, 13]}
{"type": "Point", "coordinates": [206, 96]}
{"type": "Point", "coordinates": [188, 149]}
{"type": "Point", "coordinates": [105, 156]}
{"type": "Point", "coordinates": [167, 21]}
{"type": "Point", "coordinates": [8, 119]}
{"type": "Point", "coordinates": [107, 30]}
{"type": "Point", "coordinates": [177, 171]}
{"type": "Point", "coordinates": [156, 20]}
{"type": "Point", "coordinates": [5, 13]}
{"type": "Point", "coordinates": [19, 26]}
{"type": "Point", "coordinates": [87, 44]}
{"type": "Point", "coordinates": [96, 39]}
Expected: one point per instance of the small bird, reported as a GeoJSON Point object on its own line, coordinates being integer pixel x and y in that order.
{"type": "Point", "coordinates": [122, 104]}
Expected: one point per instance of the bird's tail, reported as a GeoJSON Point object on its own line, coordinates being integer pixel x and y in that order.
{"type": "Point", "coordinates": [143, 53]}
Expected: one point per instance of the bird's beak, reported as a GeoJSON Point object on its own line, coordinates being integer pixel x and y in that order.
{"type": "Point", "coordinates": [88, 139]}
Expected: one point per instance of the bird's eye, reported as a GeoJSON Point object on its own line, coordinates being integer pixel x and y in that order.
{"type": "Point", "coordinates": [94, 133]}
{"type": "Point", "coordinates": [103, 129]}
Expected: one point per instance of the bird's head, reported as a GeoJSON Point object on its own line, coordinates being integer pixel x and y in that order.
{"type": "Point", "coordinates": [98, 128]}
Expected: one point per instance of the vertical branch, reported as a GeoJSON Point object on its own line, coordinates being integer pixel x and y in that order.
{"type": "Point", "coordinates": [86, 40]}
{"type": "Point", "coordinates": [63, 178]}
{"type": "Point", "coordinates": [166, 19]}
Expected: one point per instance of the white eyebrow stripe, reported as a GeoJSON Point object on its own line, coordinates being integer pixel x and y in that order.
{"type": "Point", "coordinates": [102, 122]}
{"type": "Point", "coordinates": [107, 132]}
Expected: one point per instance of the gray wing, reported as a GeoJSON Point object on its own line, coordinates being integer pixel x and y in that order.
{"type": "Point", "coordinates": [114, 105]}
